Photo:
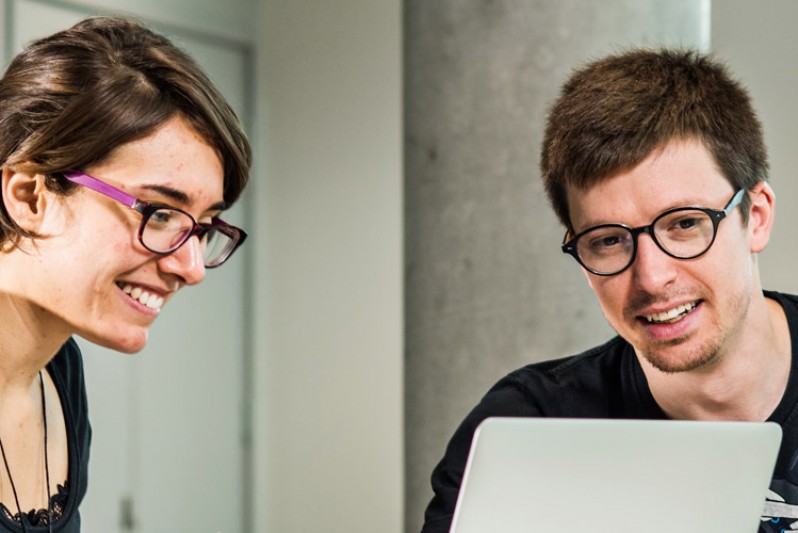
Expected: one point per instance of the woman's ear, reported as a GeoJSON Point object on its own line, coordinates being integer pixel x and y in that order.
{"type": "Point", "coordinates": [25, 198]}
{"type": "Point", "coordinates": [760, 215]}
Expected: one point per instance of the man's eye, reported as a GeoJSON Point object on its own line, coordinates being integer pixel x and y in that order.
{"type": "Point", "coordinates": [606, 243]}
{"type": "Point", "coordinates": [686, 223]}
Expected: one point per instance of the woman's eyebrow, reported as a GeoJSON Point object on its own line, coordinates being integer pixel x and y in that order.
{"type": "Point", "coordinates": [171, 193]}
{"type": "Point", "coordinates": [181, 197]}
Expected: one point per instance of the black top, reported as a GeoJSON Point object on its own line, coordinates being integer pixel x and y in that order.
{"type": "Point", "coordinates": [608, 382]}
{"type": "Point", "coordinates": [66, 370]}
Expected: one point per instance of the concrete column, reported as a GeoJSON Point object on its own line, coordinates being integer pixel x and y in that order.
{"type": "Point", "coordinates": [487, 288]}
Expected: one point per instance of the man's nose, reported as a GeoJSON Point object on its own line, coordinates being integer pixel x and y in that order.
{"type": "Point", "coordinates": [652, 268]}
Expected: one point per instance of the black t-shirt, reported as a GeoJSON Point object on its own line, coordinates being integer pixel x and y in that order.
{"type": "Point", "coordinates": [608, 382]}
{"type": "Point", "coordinates": [66, 370]}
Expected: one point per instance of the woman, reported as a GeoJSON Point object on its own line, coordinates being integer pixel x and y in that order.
{"type": "Point", "coordinates": [118, 156]}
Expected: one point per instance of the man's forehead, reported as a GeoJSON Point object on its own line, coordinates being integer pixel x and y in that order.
{"type": "Point", "coordinates": [680, 173]}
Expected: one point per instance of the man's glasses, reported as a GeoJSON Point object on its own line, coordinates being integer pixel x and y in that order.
{"type": "Point", "coordinates": [164, 229]}
{"type": "Point", "coordinates": [683, 233]}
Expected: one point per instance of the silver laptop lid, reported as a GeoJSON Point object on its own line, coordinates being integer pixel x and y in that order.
{"type": "Point", "coordinates": [540, 475]}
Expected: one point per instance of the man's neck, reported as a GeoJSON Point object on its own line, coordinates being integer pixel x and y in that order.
{"type": "Point", "coordinates": [746, 383]}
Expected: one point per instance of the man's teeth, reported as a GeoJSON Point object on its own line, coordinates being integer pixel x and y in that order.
{"type": "Point", "coordinates": [153, 301]}
{"type": "Point", "coordinates": [672, 315]}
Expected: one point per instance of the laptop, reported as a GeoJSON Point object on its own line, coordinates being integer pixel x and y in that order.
{"type": "Point", "coordinates": [541, 475]}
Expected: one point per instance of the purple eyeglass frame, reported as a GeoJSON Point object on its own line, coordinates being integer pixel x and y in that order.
{"type": "Point", "coordinates": [237, 235]}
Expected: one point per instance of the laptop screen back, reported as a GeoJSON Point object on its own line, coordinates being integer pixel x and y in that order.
{"type": "Point", "coordinates": [536, 475]}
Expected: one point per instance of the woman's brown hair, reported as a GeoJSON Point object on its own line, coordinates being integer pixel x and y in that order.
{"type": "Point", "coordinates": [68, 100]}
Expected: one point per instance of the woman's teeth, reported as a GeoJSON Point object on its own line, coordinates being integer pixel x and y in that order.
{"type": "Point", "coordinates": [672, 315]}
{"type": "Point", "coordinates": [153, 301]}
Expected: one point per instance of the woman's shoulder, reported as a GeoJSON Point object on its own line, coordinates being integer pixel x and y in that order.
{"type": "Point", "coordinates": [66, 369]}
{"type": "Point", "coordinates": [67, 365]}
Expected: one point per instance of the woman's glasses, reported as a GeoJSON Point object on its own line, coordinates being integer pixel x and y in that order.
{"type": "Point", "coordinates": [164, 229]}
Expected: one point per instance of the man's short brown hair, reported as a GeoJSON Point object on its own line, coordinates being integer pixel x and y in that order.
{"type": "Point", "coordinates": [615, 112]}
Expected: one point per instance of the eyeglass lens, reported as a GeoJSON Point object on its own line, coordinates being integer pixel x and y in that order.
{"type": "Point", "coordinates": [683, 234]}
{"type": "Point", "coordinates": [167, 229]}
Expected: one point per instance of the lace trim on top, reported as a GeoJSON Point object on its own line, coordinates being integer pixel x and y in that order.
{"type": "Point", "coordinates": [39, 517]}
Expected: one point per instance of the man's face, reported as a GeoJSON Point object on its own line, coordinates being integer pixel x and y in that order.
{"type": "Point", "coordinates": [679, 315]}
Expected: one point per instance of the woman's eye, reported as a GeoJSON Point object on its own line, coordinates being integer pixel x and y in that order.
{"type": "Point", "coordinates": [161, 217]}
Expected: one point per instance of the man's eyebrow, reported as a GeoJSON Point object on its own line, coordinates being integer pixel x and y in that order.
{"type": "Point", "coordinates": [181, 197]}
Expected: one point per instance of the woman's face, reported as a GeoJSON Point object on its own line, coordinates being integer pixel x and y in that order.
{"type": "Point", "coordinates": [92, 275]}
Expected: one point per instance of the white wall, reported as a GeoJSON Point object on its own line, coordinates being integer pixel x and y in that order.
{"type": "Point", "coordinates": [328, 289]}
{"type": "Point", "coordinates": [758, 41]}
{"type": "Point", "coordinates": [232, 18]}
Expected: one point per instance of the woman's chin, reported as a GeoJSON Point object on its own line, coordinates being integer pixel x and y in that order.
{"type": "Point", "coordinates": [128, 344]}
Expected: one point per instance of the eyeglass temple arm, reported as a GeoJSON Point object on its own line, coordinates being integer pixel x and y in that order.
{"type": "Point", "coordinates": [736, 199]}
{"type": "Point", "coordinates": [131, 201]}
{"type": "Point", "coordinates": [103, 188]}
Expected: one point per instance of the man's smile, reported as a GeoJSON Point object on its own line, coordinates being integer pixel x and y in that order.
{"type": "Point", "coordinates": [671, 315]}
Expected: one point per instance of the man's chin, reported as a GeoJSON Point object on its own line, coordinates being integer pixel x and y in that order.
{"type": "Point", "coordinates": [674, 358]}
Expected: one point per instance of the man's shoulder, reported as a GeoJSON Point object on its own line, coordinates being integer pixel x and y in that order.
{"type": "Point", "coordinates": [607, 357]}
{"type": "Point", "coordinates": [788, 301]}
{"type": "Point", "coordinates": [594, 379]}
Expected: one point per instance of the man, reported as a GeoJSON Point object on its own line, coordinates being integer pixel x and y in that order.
{"type": "Point", "coordinates": [654, 161]}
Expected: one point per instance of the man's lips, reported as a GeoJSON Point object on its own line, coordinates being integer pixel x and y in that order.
{"type": "Point", "coordinates": [669, 316]}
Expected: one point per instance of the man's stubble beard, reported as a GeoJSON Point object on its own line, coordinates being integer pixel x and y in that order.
{"type": "Point", "coordinates": [709, 353]}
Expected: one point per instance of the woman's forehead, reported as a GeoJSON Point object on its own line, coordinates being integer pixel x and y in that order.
{"type": "Point", "coordinates": [174, 161]}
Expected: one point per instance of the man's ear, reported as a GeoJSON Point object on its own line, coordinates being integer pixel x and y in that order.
{"type": "Point", "coordinates": [761, 214]}
{"type": "Point", "coordinates": [25, 198]}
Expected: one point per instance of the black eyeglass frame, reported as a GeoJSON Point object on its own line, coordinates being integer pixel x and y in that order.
{"type": "Point", "coordinates": [715, 215]}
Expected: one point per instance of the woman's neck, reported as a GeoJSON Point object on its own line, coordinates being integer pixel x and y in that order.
{"type": "Point", "coordinates": [29, 338]}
